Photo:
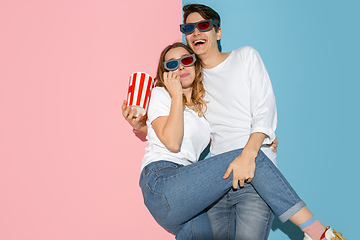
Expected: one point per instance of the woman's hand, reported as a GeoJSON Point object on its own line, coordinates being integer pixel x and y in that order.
{"type": "Point", "coordinates": [173, 84]}
{"type": "Point", "coordinates": [138, 123]}
{"type": "Point", "coordinates": [274, 145]}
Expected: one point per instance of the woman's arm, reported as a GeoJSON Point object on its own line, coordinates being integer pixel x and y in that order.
{"type": "Point", "coordinates": [170, 129]}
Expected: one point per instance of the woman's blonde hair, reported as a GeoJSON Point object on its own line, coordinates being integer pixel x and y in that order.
{"type": "Point", "coordinates": [198, 91]}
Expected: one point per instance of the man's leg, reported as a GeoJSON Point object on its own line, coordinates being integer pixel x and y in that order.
{"type": "Point", "coordinates": [222, 218]}
{"type": "Point", "coordinates": [197, 228]}
{"type": "Point", "coordinates": [253, 216]}
{"type": "Point", "coordinates": [242, 215]}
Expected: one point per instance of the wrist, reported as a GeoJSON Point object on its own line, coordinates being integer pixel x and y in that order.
{"type": "Point", "coordinates": [177, 99]}
{"type": "Point", "coordinates": [253, 145]}
{"type": "Point", "coordinates": [143, 129]}
{"type": "Point", "coordinates": [177, 95]}
{"type": "Point", "coordinates": [252, 152]}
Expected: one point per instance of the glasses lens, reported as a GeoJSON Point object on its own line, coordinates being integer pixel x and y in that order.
{"type": "Point", "coordinates": [187, 61]}
{"type": "Point", "coordinates": [188, 28]}
{"type": "Point", "coordinates": [172, 65]}
{"type": "Point", "coordinates": [203, 26]}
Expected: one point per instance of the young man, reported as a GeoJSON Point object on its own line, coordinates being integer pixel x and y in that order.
{"type": "Point", "coordinates": [242, 114]}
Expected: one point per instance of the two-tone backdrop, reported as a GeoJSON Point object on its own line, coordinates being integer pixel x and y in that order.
{"type": "Point", "coordinates": [69, 163]}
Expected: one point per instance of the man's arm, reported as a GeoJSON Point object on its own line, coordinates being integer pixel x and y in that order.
{"type": "Point", "coordinates": [264, 120]}
{"type": "Point", "coordinates": [262, 98]}
{"type": "Point", "coordinates": [243, 167]}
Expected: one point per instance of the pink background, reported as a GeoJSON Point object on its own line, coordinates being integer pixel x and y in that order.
{"type": "Point", "coordinates": [69, 163]}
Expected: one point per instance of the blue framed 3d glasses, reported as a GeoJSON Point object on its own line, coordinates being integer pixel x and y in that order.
{"type": "Point", "coordinates": [186, 61]}
{"type": "Point", "coordinates": [203, 26]}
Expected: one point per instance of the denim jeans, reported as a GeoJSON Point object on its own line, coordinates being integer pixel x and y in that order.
{"type": "Point", "coordinates": [177, 195]}
{"type": "Point", "coordinates": [233, 216]}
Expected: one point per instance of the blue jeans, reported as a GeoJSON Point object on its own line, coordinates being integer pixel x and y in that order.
{"type": "Point", "coordinates": [233, 216]}
{"type": "Point", "coordinates": [177, 195]}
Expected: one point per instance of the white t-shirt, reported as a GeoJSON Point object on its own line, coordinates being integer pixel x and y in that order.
{"type": "Point", "coordinates": [196, 133]}
{"type": "Point", "coordinates": [241, 102]}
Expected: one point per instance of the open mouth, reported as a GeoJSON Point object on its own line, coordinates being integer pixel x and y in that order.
{"type": "Point", "coordinates": [199, 42]}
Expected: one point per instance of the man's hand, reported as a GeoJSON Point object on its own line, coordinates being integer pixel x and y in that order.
{"type": "Point", "coordinates": [138, 123]}
{"type": "Point", "coordinates": [243, 169]}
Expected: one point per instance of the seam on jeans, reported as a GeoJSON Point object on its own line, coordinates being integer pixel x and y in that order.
{"type": "Point", "coordinates": [147, 187]}
{"type": "Point", "coordinates": [158, 164]}
{"type": "Point", "coordinates": [267, 230]}
{"type": "Point", "coordinates": [155, 173]}
{"type": "Point", "coordinates": [229, 225]}
{"type": "Point", "coordinates": [193, 229]}
{"type": "Point", "coordinates": [162, 166]}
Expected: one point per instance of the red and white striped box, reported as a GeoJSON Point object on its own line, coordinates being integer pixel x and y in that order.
{"type": "Point", "coordinates": [140, 85]}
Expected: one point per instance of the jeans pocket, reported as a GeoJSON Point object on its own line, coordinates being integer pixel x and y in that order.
{"type": "Point", "coordinates": [166, 170]}
{"type": "Point", "coordinates": [156, 203]}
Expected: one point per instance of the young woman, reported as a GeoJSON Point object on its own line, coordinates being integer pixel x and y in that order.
{"type": "Point", "coordinates": [177, 189]}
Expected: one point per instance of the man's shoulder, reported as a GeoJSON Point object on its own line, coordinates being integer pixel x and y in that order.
{"type": "Point", "coordinates": [246, 54]}
{"type": "Point", "coordinates": [245, 50]}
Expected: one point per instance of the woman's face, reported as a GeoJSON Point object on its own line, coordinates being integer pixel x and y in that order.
{"type": "Point", "coordinates": [187, 74]}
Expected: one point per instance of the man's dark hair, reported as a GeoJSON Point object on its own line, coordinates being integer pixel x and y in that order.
{"type": "Point", "coordinates": [206, 12]}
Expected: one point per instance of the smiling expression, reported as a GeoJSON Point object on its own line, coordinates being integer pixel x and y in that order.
{"type": "Point", "coordinates": [202, 42]}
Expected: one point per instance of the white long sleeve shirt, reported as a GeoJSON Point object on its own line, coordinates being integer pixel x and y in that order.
{"type": "Point", "coordinates": [241, 102]}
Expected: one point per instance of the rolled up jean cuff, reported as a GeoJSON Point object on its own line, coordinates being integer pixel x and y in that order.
{"type": "Point", "coordinates": [289, 213]}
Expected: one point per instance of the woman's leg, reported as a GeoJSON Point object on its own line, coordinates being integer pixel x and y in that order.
{"type": "Point", "coordinates": [180, 193]}
{"type": "Point", "coordinates": [175, 194]}
{"type": "Point", "coordinates": [183, 192]}
{"type": "Point", "coordinates": [277, 192]}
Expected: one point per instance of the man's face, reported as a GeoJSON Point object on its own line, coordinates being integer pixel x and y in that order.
{"type": "Point", "coordinates": [202, 42]}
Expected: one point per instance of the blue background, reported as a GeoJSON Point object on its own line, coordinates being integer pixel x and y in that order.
{"type": "Point", "coordinates": [311, 50]}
